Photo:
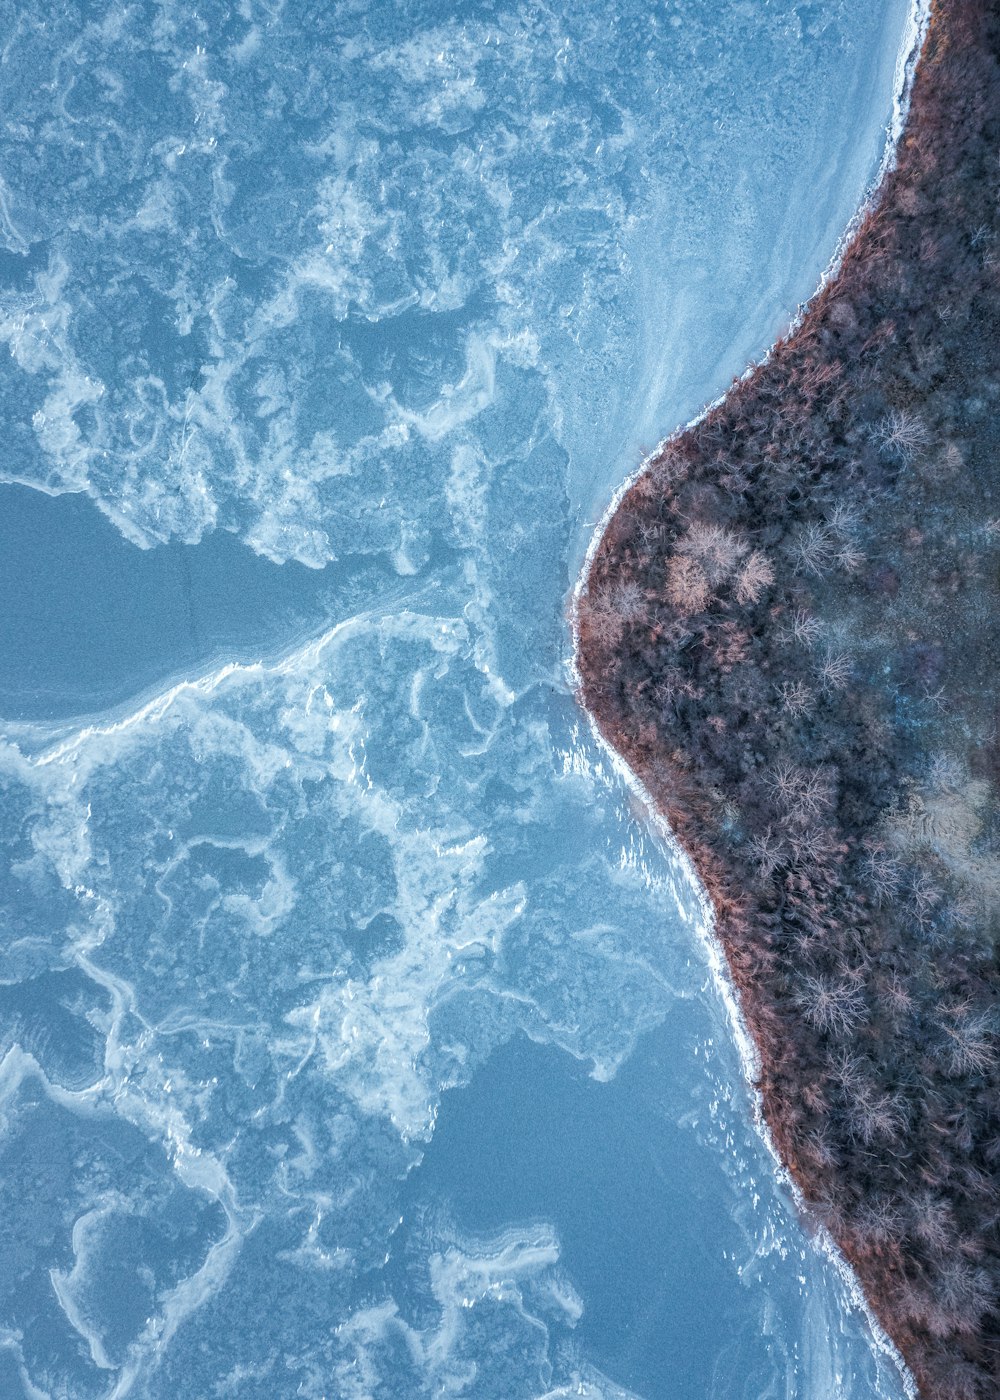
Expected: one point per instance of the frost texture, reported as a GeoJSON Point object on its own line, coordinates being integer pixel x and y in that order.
{"type": "Point", "coordinates": [392, 286]}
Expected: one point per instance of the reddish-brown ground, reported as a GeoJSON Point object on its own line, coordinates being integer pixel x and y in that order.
{"type": "Point", "coordinates": [790, 630]}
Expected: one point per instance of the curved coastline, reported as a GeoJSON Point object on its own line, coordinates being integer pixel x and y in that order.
{"type": "Point", "coordinates": [918, 20]}
{"type": "Point", "coordinates": [593, 609]}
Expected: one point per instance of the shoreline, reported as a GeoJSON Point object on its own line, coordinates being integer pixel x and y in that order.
{"type": "Point", "coordinates": [600, 631]}
{"type": "Point", "coordinates": [747, 1051]}
{"type": "Point", "coordinates": [918, 20]}
{"type": "Point", "coordinates": [749, 1057]}
{"type": "Point", "coordinates": [915, 33]}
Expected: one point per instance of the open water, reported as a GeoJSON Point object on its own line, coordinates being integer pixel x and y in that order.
{"type": "Point", "coordinates": [356, 1040]}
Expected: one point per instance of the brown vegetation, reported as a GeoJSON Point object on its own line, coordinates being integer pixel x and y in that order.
{"type": "Point", "coordinates": [790, 630]}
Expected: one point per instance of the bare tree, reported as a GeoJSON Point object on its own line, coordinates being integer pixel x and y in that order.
{"type": "Point", "coordinates": [822, 1151]}
{"type": "Point", "coordinates": [834, 670]}
{"type": "Point", "coordinates": [795, 697]}
{"type": "Point", "coordinates": [901, 435]}
{"type": "Point", "coordinates": [755, 575]}
{"type": "Point", "coordinates": [896, 996]}
{"type": "Point", "coordinates": [628, 600]}
{"type": "Point", "coordinates": [876, 1117]}
{"type": "Point", "coordinates": [965, 1293]}
{"type": "Point", "coordinates": [687, 586]}
{"type": "Point", "coordinates": [667, 468]}
{"type": "Point", "coordinates": [967, 1044]}
{"type": "Point", "coordinates": [881, 872]}
{"type": "Point", "coordinates": [951, 460]}
{"type": "Point", "coordinates": [851, 1073]}
{"type": "Point", "coordinates": [767, 852]}
{"type": "Point", "coordinates": [814, 549]}
{"type": "Point", "coordinates": [784, 782]}
{"type": "Point", "coordinates": [844, 520]}
{"type": "Point", "coordinates": [926, 895]}
{"type": "Point", "coordinates": [716, 549]}
{"type": "Point", "coordinates": [834, 1007]}
{"type": "Point", "coordinates": [849, 558]}
{"type": "Point", "coordinates": [603, 621]}
{"type": "Point", "coordinates": [932, 1220]}
{"type": "Point", "coordinates": [802, 794]}
{"type": "Point", "coordinates": [802, 627]}
{"type": "Point", "coordinates": [812, 847]}
{"type": "Point", "coordinates": [879, 1219]}
{"type": "Point", "coordinates": [947, 773]}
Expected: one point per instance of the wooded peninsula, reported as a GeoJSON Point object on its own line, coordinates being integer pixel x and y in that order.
{"type": "Point", "coordinates": [790, 631]}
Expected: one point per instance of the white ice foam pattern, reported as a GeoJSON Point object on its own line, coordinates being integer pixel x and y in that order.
{"type": "Point", "coordinates": [413, 291]}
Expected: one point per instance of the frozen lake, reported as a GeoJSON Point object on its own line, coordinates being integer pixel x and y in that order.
{"type": "Point", "coordinates": [357, 1039]}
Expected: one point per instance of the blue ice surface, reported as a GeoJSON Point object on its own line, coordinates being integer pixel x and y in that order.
{"type": "Point", "coordinates": [533, 1137]}
{"type": "Point", "coordinates": [357, 1039]}
{"type": "Point", "coordinates": [90, 621]}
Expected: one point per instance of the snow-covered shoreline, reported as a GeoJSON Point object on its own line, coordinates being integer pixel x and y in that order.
{"type": "Point", "coordinates": [915, 32]}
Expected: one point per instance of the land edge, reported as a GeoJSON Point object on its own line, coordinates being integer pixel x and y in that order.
{"type": "Point", "coordinates": [911, 49]}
